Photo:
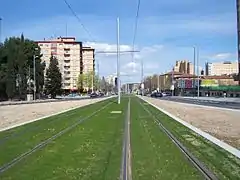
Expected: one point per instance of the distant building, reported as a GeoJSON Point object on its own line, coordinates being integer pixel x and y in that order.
{"type": "Point", "coordinates": [184, 66]}
{"type": "Point", "coordinates": [73, 58]}
{"type": "Point", "coordinates": [88, 59]}
{"type": "Point", "coordinates": [111, 79]}
{"type": "Point", "coordinates": [221, 68]}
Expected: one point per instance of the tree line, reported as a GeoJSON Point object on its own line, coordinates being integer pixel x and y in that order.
{"type": "Point", "coordinates": [17, 56]}
{"type": "Point", "coordinates": [16, 68]}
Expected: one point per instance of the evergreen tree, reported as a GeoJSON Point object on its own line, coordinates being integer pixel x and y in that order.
{"type": "Point", "coordinates": [16, 57]}
{"type": "Point", "coordinates": [53, 83]}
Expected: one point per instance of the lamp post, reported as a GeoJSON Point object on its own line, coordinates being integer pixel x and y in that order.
{"type": "Point", "coordinates": [34, 74]}
{"type": "Point", "coordinates": [198, 79]}
{"type": "Point", "coordinates": [118, 65]}
{"type": "Point", "coordinates": [238, 38]}
{"type": "Point", "coordinates": [34, 77]}
{"type": "Point", "coordinates": [0, 30]}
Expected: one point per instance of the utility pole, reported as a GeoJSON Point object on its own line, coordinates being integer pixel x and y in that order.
{"type": "Point", "coordinates": [172, 81]}
{"type": "Point", "coordinates": [118, 64]}
{"type": "Point", "coordinates": [238, 38]}
{"type": "Point", "coordinates": [194, 59]}
{"type": "Point", "coordinates": [198, 78]}
{"type": "Point", "coordinates": [142, 71]}
{"type": "Point", "coordinates": [0, 30]}
{"type": "Point", "coordinates": [34, 77]}
{"type": "Point", "coordinates": [29, 79]}
{"type": "Point", "coordinates": [194, 65]}
{"type": "Point", "coordinates": [98, 76]}
{"type": "Point", "coordinates": [92, 80]}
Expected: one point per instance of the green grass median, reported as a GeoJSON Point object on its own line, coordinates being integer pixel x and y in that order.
{"type": "Point", "coordinates": [18, 140]}
{"type": "Point", "coordinates": [92, 150]}
{"type": "Point", "coordinates": [218, 160]}
{"type": "Point", "coordinates": [154, 155]}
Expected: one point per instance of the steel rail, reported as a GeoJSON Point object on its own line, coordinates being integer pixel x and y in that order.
{"type": "Point", "coordinates": [196, 163]}
{"type": "Point", "coordinates": [14, 161]}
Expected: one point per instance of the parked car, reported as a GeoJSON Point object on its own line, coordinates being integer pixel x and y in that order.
{"type": "Point", "coordinates": [156, 94]}
{"type": "Point", "coordinates": [101, 94]}
{"type": "Point", "coordinates": [93, 95]}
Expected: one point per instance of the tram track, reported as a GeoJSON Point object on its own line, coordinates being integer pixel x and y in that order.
{"type": "Point", "coordinates": [44, 143]}
{"type": "Point", "coordinates": [207, 174]}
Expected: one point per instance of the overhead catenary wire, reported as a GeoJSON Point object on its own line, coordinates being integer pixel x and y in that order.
{"type": "Point", "coordinates": [135, 30]}
{"type": "Point", "coordinates": [79, 20]}
{"type": "Point", "coordinates": [136, 25]}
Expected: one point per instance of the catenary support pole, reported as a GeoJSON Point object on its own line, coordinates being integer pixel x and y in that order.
{"type": "Point", "coordinates": [34, 77]}
{"type": "Point", "coordinates": [0, 30]}
{"type": "Point", "coordinates": [118, 64]}
{"type": "Point", "coordinates": [198, 83]}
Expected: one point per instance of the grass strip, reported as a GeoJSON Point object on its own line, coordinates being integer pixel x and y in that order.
{"type": "Point", "coordinates": [154, 155]}
{"type": "Point", "coordinates": [221, 162]}
{"type": "Point", "coordinates": [30, 136]}
{"type": "Point", "coordinates": [90, 151]}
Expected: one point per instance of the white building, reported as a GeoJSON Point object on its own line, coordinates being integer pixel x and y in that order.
{"type": "Point", "coordinates": [111, 79]}
{"type": "Point", "coordinates": [221, 68]}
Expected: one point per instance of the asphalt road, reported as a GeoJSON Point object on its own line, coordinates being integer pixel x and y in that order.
{"type": "Point", "coordinates": [220, 104]}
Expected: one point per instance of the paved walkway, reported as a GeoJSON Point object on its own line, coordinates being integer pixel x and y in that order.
{"type": "Point", "coordinates": [221, 99]}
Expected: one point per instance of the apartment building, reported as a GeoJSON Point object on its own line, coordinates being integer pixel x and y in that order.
{"type": "Point", "coordinates": [72, 57]}
{"type": "Point", "coordinates": [221, 68]}
{"type": "Point", "coordinates": [88, 59]}
{"type": "Point", "coordinates": [184, 66]}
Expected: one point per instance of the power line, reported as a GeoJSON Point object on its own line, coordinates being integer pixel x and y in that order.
{"type": "Point", "coordinates": [136, 24]}
{"type": "Point", "coordinates": [79, 20]}
{"type": "Point", "coordinates": [135, 30]}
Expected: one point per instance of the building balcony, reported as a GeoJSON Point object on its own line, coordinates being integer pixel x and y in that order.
{"type": "Point", "coordinates": [67, 61]}
{"type": "Point", "coordinates": [66, 72]}
{"type": "Point", "coordinates": [66, 55]}
{"type": "Point", "coordinates": [67, 78]}
{"type": "Point", "coordinates": [66, 67]}
{"type": "Point", "coordinates": [67, 84]}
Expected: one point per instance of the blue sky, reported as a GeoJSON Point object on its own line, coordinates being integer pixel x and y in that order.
{"type": "Point", "coordinates": [167, 29]}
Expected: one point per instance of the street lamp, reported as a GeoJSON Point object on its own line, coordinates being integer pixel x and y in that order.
{"type": "Point", "coordinates": [34, 74]}
{"type": "Point", "coordinates": [118, 65]}
{"type": "Point", "coordinates": [0, 30]}
{"type": "Point", "coordinates": [238, 38]}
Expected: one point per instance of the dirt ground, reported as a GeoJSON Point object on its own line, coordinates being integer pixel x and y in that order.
{"type": "Point", "coordinates": [16, 114]}
{"type": "Point", "coordinates": [223, 124]}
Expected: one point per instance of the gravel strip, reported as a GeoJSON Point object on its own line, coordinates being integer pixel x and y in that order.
{"type": "Point", "coordinates": [223, 124]}
{"type": "Point", "coordinates": [12, 115]}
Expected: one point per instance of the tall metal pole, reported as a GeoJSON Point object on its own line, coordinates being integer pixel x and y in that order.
{"type": "Point", "coordinates": [158, 82]}
{"type": "Point", "coordinates": [238, 38]}
{"type": "Point", "coordinates": [194, 59]}
{"type": "Point", "coordinates": [34, 77]}
{"type": "Point", "coordinates": [118, 64]}
{"type": "Point", "coordinates": [173, 81]}
{"type": "Point", "coordinates": [92, 80]}
{"type": "Point", "coordinates": [194, 65]}
{"type": "Point", "coordinates": [198, 79]}
{"type": "Point", "coordinates": [0, 30]}
{"type": "Point", "coordinates": [29, 80]}
{"type": "Point", "coordinates": [98, 76]}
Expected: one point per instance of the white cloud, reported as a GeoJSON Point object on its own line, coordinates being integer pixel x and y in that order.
{"type": "Point", "coordinates": [157, 53]}
{"type": "Point", "coordinates": [221, 57]}
{"type": "Point", "coordinates": [108, 49]}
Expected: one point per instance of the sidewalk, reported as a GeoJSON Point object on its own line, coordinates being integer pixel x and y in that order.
{"type": "Point", "coordinates": [218, 99]}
